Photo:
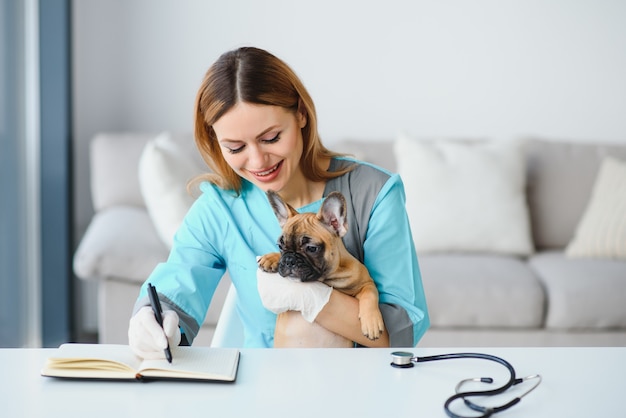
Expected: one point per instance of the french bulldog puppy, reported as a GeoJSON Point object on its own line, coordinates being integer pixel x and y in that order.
{"type": "Point", "coordinates": [311, 249]}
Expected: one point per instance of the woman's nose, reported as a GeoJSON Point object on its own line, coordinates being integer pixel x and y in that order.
{"type": "Point", "coordinates": [257, 157]}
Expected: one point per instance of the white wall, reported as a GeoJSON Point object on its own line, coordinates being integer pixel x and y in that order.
{"type": "Point", "coordinates": [495, 68]}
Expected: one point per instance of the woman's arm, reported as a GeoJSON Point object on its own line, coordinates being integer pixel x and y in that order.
{"type": "Point", "coordinates": [341, 316]}
{"type": "Point", "coordinates": [390, 257]}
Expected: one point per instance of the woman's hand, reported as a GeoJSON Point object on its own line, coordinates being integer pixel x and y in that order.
{"type": "Point", "coordinates": [146, 337]}
{"type": "Point", "coordinates": [280, 294]}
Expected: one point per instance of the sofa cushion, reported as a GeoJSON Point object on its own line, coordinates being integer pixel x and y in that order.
{"type": "Point", "coordinates": [481, 291]}
{"type": "Point", "coordinates": [582, 293]}
{"type": "Point", "coordinates": [465, 195]}
{"type": "Point", "coordinates": [113, 159]}
{"type": "Point", "coordinates": [601, 232]}
{"type": "Point", "coordinates": [165, 168]}
{"type": "Point", "coordinates": [560, 179]}
{"type": "Point", "coordinates": [120, 243]}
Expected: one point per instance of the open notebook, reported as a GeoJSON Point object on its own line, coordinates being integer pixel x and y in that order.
{"type": "Point", "coordinates": [110, 361]}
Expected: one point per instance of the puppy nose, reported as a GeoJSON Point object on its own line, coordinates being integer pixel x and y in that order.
{"type": "Point", "coordinates": [289, 259]}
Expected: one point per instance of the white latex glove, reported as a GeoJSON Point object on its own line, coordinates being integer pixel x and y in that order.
{"type": "Point", "coordinates": [280, 294]}
{"type": "Point", "coordinates": [146, 337]}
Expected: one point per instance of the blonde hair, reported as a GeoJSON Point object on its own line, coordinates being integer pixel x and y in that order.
{"type": "Point", "coordinates": [253, 75]}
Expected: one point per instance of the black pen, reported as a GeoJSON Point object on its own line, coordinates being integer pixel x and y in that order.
{"type": "Point", "coordinates": [156, 307]}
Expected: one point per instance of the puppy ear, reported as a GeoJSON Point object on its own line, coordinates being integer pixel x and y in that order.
{"type": "Point", "coordinates": [333, 213]}
{"type": "Point", "coordinates": [282, 210]}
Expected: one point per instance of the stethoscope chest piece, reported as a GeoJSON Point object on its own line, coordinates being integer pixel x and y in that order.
{"type": "Point", "coordinates": [402, 359]}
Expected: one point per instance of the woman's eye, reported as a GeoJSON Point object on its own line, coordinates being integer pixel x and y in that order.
{"type": "Point", "coordinates": [272, 140]}
{"type": "Point", "coordinates": [266, 141]}
{"type": "Point", "coordinates": [235, 150]}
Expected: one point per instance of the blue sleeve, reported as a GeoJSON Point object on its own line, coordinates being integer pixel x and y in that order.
{"type": "Point", "coordinates": [189, 277]}
{"type": "Point", "coordinates": [221, 231]}
{"type": "Point", "coordinates": [390, 257]}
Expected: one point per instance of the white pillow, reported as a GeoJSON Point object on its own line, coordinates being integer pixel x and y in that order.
{"type": "Point", "coordinates": [164, 170]}
{"type": "Point", "coordinates": [465, 196]}
{"type": "Point", "coordinates": [601, 232]}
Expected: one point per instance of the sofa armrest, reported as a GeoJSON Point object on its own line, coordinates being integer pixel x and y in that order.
{"type": "Point", "coordinates": [120, 242]}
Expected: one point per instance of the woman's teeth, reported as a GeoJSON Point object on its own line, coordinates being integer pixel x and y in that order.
{"type": "Point", "coordinates": [265, 173]}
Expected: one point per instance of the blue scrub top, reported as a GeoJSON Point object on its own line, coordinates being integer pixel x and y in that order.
{"type": "Point", "coordinates": [225, 231]}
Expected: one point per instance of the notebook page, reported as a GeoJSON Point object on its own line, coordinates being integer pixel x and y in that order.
{"type": "Point", "coordinates": [198, 362]}
{"type": "Point", "coordinates": [82, 353]}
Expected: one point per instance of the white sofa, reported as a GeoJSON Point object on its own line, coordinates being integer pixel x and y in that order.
{"type": "Point", "coordinates": [121, 245]}
{"type": "Point", "coordinates": [538, 296]}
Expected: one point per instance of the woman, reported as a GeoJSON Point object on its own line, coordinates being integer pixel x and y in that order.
{"type": "Point", "coordinates": [256, 127]}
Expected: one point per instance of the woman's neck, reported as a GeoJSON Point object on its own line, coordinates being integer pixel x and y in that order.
{"type": "Point", "coordinates": [301, 191]}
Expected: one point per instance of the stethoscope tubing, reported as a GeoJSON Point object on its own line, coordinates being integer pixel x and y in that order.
{"type": "Point", "coordinates": [404, 359]}
{"type": "Point", "coordinates": [487, 411]}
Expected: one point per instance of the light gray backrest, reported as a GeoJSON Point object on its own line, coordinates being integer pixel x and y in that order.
{"type": "Point", "coordinates": [559, 183]}
{"type": "Point", "coordinates": [560, 178]}
{"type": "Point", "coordinates": [379, 152]}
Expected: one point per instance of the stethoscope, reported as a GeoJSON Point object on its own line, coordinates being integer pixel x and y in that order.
{"type": "Point", "coordinates": [403, 359]}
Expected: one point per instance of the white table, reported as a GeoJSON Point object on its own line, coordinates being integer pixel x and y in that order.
{"type": "Point", "coordinates": [577, 382]}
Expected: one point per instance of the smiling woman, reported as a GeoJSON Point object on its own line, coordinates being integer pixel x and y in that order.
{"type": "Point", "coordinates": [268, 149]}
{"type": "Point", "coordinates": [256, 127]}
{"type": "Point", "coordinates": [238, 94]}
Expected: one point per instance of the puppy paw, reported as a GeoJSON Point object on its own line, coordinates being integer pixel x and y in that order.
{"type": "Point", "coordinates": [269, 262]}
{"type": "Point", "coordinates": [372, 325]}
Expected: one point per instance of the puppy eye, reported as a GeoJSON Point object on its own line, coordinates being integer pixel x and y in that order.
{"type": "Point", "coordinates": [312, 249]}
{"type": "Point", "coordinates": [281, 243]}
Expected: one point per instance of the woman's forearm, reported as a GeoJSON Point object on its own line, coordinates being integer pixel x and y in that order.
{"type": "Point", "coordinates": [341, 316]}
